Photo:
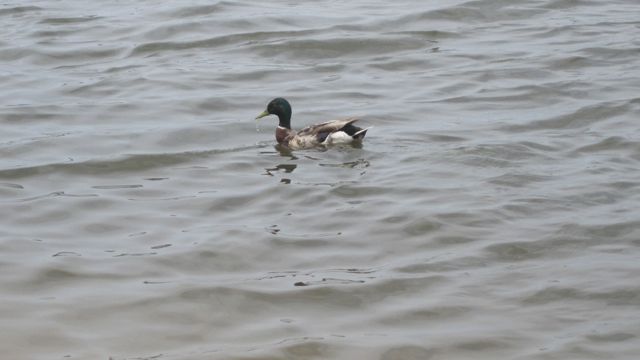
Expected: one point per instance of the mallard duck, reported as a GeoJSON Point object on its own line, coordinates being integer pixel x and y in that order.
{"type": "Point", "coordinates": [327, 133]}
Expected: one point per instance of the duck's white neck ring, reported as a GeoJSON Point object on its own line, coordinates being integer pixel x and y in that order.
{"type": "Point", "coordinates": [282, 127]}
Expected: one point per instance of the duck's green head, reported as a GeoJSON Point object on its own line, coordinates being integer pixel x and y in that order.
{"type": "Point", "coordinates": [281, 108]}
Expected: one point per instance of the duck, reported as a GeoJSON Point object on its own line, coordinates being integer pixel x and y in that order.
{"type": "Point", "coordinates": [328, 133]}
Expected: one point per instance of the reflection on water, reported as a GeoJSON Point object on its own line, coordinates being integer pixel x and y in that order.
{"type": "Point", "coordinates": [285, 151]}
{"type": "Point", "coordinates": [287, 168]}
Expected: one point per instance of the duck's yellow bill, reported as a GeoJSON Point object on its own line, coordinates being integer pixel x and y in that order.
{"type": "Point", "coordinates": [263, 114]}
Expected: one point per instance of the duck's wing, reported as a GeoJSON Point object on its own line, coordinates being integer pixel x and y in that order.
{"type": "Point", "coordinates": [322, 130]}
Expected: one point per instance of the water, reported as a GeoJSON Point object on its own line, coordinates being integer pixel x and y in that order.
{"type": "Point", "coordinates": [492, 212]}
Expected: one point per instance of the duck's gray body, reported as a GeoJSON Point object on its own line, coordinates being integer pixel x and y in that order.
{"type": "Point", "coordinates": [327, 133]}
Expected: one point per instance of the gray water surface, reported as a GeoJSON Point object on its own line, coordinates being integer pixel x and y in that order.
{"type": "Point", "coordinates": [493, 211]}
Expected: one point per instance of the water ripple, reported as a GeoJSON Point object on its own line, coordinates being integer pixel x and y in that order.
{"type": "Point", "coordinates": [490, 212]}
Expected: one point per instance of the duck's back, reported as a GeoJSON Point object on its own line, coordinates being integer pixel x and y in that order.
{"type": "Point", "coordinates": [325, 133]}
{"type": "Point", "coordinates": [327, 127]}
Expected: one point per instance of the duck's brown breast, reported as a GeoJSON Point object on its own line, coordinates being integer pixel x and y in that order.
{"type": "Point", "coordinates": [282, 134]}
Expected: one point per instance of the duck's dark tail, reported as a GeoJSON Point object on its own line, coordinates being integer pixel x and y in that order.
{"type": "Point", "coordinates": [357, 133]}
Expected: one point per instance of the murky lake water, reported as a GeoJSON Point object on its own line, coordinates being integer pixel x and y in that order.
{"type": "Point", "coordinates": [493, 211]}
